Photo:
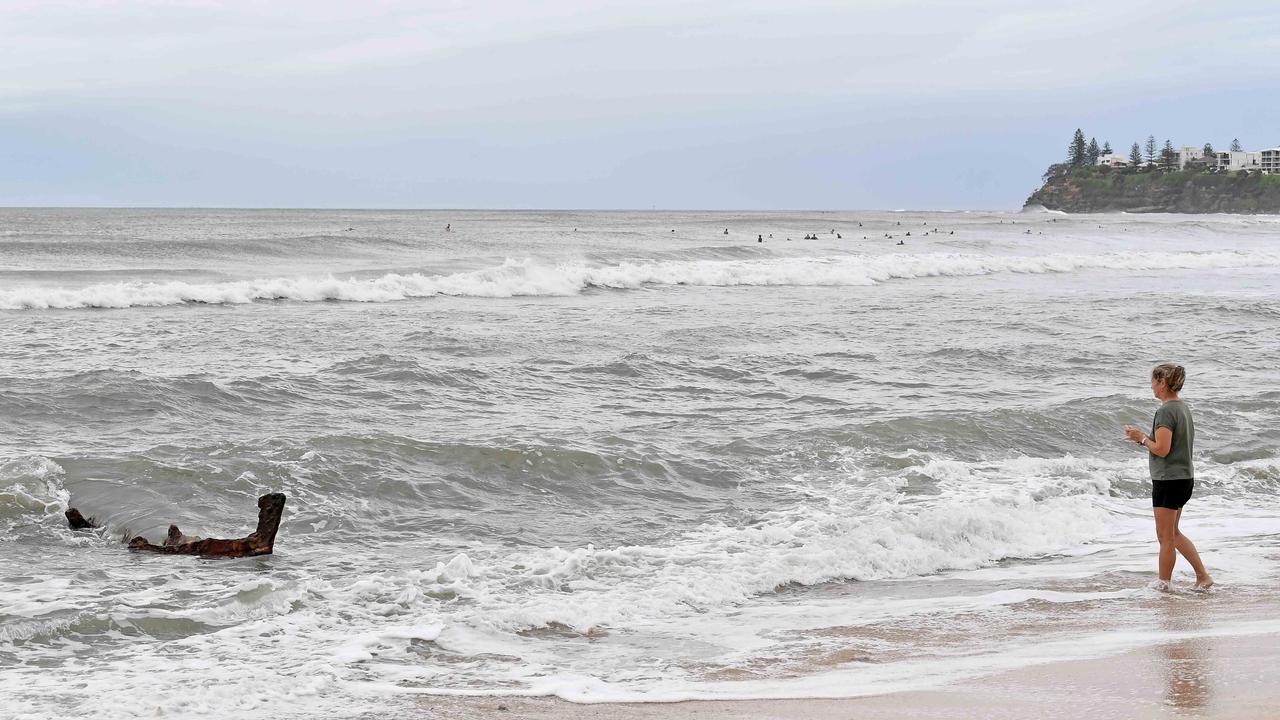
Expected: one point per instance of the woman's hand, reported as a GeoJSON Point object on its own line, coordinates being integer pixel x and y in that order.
{"type": "Point", "coordinates": [1134, 434]}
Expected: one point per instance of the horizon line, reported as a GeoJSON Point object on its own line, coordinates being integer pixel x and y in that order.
{"type": "Point", "coordinates": [377, 208]}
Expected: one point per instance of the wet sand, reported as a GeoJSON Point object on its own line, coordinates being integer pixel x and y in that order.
{"type": "Point", "coordinates": [1236, 677]}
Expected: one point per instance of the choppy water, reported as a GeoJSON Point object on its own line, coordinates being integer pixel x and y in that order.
{"type": "Point", "coordinates": [619, 462]}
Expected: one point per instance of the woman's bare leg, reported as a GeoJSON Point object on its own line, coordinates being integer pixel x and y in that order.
{"type": "Point", "coordinates": [1188, 550]}
{"type": "Point", "coordinates": [1167, 534]}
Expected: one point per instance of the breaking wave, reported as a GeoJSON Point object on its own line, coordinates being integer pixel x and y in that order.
{"type": "Point", "coordinates": [530, 277]}
{"type": "Point", "coordinates": [31, 490]}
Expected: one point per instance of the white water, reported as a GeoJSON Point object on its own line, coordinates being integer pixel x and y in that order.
{"type": "Point", "coordinates": [527, 277]}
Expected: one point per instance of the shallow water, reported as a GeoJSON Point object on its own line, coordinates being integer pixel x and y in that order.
{"type": "Point", "coordinates": [616, 462]}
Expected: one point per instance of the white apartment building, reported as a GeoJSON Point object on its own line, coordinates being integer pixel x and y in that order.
{"type": "Point", "coordinates": [1269, 160]}
{"type": "Point", "coordinates": [1238, 160]}
{"type": "Point", "coordinates": [1187, 154]}
{"type": "Point", "coordinates": [1113, 160]}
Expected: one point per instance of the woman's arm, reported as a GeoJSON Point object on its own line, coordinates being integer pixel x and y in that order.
{"type": "Point", "coordinates": [1159, 446]}
{"type": "Point", "coordinates": [1162, 443]}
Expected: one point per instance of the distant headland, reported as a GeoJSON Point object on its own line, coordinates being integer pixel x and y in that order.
{"type": "Point", "coordinates": [1151, 178]}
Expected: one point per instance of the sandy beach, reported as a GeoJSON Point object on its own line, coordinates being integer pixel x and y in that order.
{"type": "Point", "coordinates": [1220, 677]}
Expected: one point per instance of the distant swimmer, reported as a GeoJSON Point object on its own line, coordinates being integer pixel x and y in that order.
{"type": "Point", "coordinates": [839, 236]}
{"type": "Point", "coordinates": [770, 236]}
{"type": "Point", "coordinates": [953, 232]}
{"type": "Point", "coordinates": [446, 227]}
{"type": "Point", "coordinates": [859, 224]}
{"type": "Point", "coordinates": [900, 242]}
{"type": "Point", "coordinates": [760, 238]}
{"type": "Point", "coordinates": [348, 230]}
{"type": "Point", "coordinates": [908, 233]}
{"type": "Point", "coordinates": [726, 231]}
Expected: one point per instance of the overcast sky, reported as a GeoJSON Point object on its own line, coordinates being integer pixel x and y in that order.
{"type": "Point", "coordinates": [656, 103]}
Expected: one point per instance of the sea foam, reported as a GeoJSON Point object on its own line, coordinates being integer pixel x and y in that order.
{"type": "Point", "coordinates": [860, 529]}
{"type": "Point", "coordinates": [31, 484]}
{"type": "Point", "coordinates": [531, 277]}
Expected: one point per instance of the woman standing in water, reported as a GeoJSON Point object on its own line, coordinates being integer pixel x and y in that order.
{"type": "Point", "coordinates": [1169, 458]}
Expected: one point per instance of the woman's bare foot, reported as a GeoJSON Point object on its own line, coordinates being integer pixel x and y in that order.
{"type": "Point", "coordinates": [1203, 584]}
{"type": "Point", "coordinates": [1162, 586]}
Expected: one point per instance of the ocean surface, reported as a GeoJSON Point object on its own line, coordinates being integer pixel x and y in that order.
{"type": "Point", "coordinates": [613, 455]}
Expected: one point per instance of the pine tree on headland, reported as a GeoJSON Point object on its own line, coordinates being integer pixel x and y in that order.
{"type": "Point", "coordinates": [1135, 156]}
{"type": "Point", "coordinates": [1106, 148]}
{"type": "Point", "coordinates": [1078, 152]}
{"type": "Point", "coordinates": [1093, 152]}
{"type": "Point", "coordinates": [1151, 148]}
{"type": "Point", "coordinates": [1168, 158]}
{"type": "Point", "coordinates": [1235, 145]}
{"type": "Point", "coordinates": [1208, 150]}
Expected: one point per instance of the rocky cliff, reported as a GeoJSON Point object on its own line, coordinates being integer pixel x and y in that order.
{"type": "Point", "coordinates": [1084, 190]}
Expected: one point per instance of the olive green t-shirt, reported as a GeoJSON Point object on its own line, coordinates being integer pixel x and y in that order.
{"type": "Point", "coordinates": [1176, 416]}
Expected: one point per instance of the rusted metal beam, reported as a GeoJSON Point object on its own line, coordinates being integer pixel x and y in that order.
{"type": "Point", "coordinates": [78, 521]}
{"type": "Point", "coordinates": [260, 542]}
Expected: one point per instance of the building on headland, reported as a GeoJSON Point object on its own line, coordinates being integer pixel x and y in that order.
{"type": "Point", "coordinates": [1269, 160]}
{"type": "Point", "coordinates": [1189, 155]}
{"type": "Point", "coordinates": [1238, 160]}
{"type": "Point", "coordinates": [1113, 160]}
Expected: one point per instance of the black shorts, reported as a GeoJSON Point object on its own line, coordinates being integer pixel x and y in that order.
{"type": "Point", "coordinates": [1172, 494]}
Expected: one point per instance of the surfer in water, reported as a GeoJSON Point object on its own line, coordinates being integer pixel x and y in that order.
{"type": "Point", "coordinates": [1172, 480]}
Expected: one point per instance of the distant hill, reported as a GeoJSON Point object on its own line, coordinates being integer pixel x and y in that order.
{"type": "Point", "coordinates": [1104, 189]}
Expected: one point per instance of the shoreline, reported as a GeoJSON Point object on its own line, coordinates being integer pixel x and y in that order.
{"type": "Point", "coordinates": [1216, 677]}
